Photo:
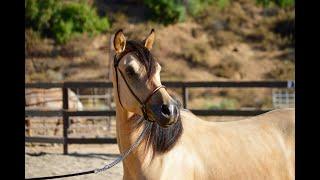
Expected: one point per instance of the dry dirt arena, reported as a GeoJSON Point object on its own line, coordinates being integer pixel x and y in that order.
{"type": "Point", "coordinates": [48, 160]}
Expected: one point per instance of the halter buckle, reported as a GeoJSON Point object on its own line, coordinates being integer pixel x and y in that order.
{"type": "Point", "coordinates": [115, 62]}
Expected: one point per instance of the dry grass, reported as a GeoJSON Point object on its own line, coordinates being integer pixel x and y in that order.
{"type": "Point", "coordinates": [228, 67]}
{"type": "Point", "coordinates": [284, 71]}
{"type": "Point", "coordinates": [196, 54]}
{"type": "Point", "coordinates": [35, 46]}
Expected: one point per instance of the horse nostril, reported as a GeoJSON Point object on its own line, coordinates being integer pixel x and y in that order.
{"type": "Point", "coordinates": [165, 110]}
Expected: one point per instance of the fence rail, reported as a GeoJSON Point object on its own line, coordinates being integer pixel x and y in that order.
{"type": "Point", "coordinates": [200, 112]}
{"type": "Point", "coordinates": [65, 113]}
{"type": "Point", "coordinates": [172, 84]}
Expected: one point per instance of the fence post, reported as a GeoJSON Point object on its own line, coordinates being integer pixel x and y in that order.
{"type": "Point", "coordinates": [65, 101]}
{"type": "Point", "coordinates": [185, 96]}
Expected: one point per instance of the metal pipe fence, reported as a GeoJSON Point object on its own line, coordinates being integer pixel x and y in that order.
{"type": "Point", "coordinates": [66, 113]}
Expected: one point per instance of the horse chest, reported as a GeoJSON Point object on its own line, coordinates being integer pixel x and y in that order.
{"type": "Point", "coordinates": [177, 164]}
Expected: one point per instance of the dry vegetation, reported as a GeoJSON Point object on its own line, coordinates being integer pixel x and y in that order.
{"type": "Point", "coordinates": [240, 42]}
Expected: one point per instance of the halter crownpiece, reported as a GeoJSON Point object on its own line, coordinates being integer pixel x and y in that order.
{"type": "Point", "coordinates": [143, 104]}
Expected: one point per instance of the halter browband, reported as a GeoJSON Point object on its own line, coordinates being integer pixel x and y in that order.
{"type": "Point", "coordinates": [143, 104]}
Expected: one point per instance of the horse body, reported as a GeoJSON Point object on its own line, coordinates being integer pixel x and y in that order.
{"type": "Point", "coordinates": [260, 147]}
{"type": "Point", "coordinates": [181, 145]}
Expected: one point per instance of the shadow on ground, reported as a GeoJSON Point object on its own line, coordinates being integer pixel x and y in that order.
{"type": "Point", "coordinates": [103, 156]}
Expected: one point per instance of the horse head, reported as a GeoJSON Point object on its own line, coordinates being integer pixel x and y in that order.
{"type": "Point", "coordinates": [136, 76]}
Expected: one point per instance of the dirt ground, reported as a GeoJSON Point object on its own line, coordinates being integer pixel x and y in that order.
{"type": "Point", "coordinates": [48, 161]}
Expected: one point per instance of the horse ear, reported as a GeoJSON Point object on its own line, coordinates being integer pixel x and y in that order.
{"type": "Point", "coordinates": [148, 42]}
{"type": "Point", "coordinates": [119, 41]}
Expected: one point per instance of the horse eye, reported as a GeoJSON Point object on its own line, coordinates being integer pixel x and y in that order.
{"type": "Point", "coordinates": [130, 71]}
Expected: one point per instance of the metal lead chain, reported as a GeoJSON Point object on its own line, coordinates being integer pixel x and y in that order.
{"type": "Point", "coordinates": [126, 153]}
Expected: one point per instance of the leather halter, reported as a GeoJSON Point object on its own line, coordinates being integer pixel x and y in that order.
{"type": "Point", "coordinates": [143, 104]}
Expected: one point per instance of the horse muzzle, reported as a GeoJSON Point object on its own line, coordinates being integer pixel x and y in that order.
{"type": "Point", "coordinates": [165, 115]}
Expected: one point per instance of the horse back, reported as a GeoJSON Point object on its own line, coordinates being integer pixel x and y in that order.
{"type": "Point", "coordinates": [261, 147]}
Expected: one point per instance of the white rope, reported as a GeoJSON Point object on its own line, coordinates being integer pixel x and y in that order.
{"type": "Point", "coordinates": [126, 153]}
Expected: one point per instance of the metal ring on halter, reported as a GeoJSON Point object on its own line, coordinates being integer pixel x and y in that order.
{"type": "Point", "coordinates": [143, 104]}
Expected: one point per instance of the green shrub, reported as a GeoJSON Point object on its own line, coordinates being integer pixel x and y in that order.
{"type": "Point", "coordinates": [62, 20]}
{"type": "Point", "coordinates": [194, 7]}
{"type": "Point", "coordinates": [281, 3]}
{"type": "Point", "coordinates": [39, 13]}
{"type": "Point", "coordinates": [166, 11]}
{"type": "Point", "coordinates": [172, 11]}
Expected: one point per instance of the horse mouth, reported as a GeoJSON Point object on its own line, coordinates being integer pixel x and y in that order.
{"type": "Point", "coordinates": [163, 120]}
{"type": "Point", "coordinates": [165, 125]}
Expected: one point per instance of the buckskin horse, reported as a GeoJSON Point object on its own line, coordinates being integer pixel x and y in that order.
{"type": "Point", "coordinates": [178, 144]}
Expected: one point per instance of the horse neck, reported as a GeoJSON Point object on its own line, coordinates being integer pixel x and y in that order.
{"type": "Point", "coordinates": [127, 134]}
{"type": "Point", "coordinates": [124, 127]}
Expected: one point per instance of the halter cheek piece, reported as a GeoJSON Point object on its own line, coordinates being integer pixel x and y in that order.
{"type": "Point", "coordinates": [143, 104]}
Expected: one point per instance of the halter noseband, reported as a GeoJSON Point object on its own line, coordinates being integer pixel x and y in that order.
{"type": "Point", "coordinates": [143, 104]}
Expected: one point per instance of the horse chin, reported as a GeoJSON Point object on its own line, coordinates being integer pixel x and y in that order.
{"type": "Point", "coordinates": [166, 123]}
{"type": "Point", "coordinates": [161, 122]}
{"type": "Point", "coordinates": [163, 125]}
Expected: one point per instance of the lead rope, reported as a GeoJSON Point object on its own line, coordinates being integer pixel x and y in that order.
{"type": "Point", "coordinates": [120, 158]}
{"type": "Point", "coordinates": [127, 152]}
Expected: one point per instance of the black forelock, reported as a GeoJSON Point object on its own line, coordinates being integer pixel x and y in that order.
{"type": "Point", "coordinates": [143, 54]}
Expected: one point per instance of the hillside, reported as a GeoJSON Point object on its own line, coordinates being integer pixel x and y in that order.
{"type": "Point", "coordinates": [243, 41]}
